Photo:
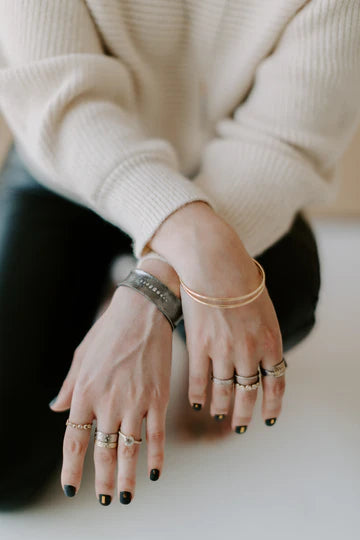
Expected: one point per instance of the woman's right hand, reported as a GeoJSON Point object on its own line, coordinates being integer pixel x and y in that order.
{"type": "Point", "coordinates": [210, 258]}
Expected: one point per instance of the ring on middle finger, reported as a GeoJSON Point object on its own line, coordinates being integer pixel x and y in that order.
{"type": "Point", "coordinates": [106, 440]}
{"type": "Point", "coordinates": [248, 380]}
{"type": "Point", "coordinates": [222, 382]}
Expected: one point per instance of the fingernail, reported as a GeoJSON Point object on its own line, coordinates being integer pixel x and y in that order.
{"type": "Point", "coordinates": [196, 406]}
{"type": "Point", "coordinates": [105, 500]}
{"type": "Point", "coordinates": [69, 491]}
{"type": "Point", "coordinates": [270, 421]}
{"type": "Point", "coordinates": [154, 474]}
{"type": "Point", "coordinates": [240, 429]}
{"type": "Point", "coordinates": [219, 417]}
{"type": "Point", "coordinates": [125, 497]}
{"type": "Point", "coordinates": [53, 401]}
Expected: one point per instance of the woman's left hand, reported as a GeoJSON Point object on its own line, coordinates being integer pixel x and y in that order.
{"type": "Point", "coordinates": [120, 374]}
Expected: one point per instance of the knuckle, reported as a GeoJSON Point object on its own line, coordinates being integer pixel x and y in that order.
{"type": "Point", "coordinates": [248, 398]}
{"type": "Point", "coordinates": [106, 458]}
{"type": "Point", "coordinates": [156, 436]}
{"type": "Point", "coordinates": [127, 452]}
{"type": "Point", "coordinates": [272, 341]}
{"type": "Point", "coordinates": [73, 446]}
{"type": "Point", "coordinates": [199, 381]}
{"type": "Point", "coordinates": [128, 481]}
{"type": "Point", "coordinates": [107, 486]}
{"type": "Point", "coordinates": [250, 344]}
{"type": "Point", "coordinates": [277, 389]}
{"type": "Point", "coordinates": [224, 391]}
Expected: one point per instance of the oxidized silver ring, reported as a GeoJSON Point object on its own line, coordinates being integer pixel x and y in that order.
{"type": "Point", "coordinates": [275, 371]}
{"type": "Point", "coordinates": [129, 440]}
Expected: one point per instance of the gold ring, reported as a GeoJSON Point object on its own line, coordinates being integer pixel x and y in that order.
{"type": "Point", "coordinates": [77, 426]}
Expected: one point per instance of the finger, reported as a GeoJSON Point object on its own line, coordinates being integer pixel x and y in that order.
{"type": "Point", "coordinates": [221, 394]}
{"type": "Point", "coordinates": [244, 403]}
{"type": "Point", "coordinates": [199, 364]}
{"type": "Point", "coordinates": [62, 401]}
{"type": "Point", "coordinates": [273, 392]}
{"type": "Point", "coordinates": [74, 449]}
{"type": "Point", "coordinates": [127, 458]}
{"type": "Point", "coordinates": [155, 437]}
{"type": "Point", "coordinates": [105, 461]}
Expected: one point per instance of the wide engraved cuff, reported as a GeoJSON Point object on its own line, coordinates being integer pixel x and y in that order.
{"type": "Point", "coordinates": [157, 292]}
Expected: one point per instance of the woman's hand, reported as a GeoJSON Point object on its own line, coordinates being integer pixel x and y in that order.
{"type": "Point", "coordinates": [119, 375]}
{"type": "Point", "coordinates": [211, 259]}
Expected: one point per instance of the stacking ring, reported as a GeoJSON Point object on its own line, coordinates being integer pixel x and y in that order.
{"type": "Point", "coordinates": [275, 371]}
{"type": "Point", "coordinates": [247, 380]}
{"type": "Point", "coordinates": [222, 382]}
{"type": "Point", "coordinates": [129, 440]}
{"type": "Point", "coordinates": [77, 426]}
{"type": "Point", "coordinates": [106, 440]}
{"type": "Point", "coordinates": [248, 387]}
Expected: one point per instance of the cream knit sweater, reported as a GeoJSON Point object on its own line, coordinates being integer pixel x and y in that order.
{"type": "Point", "coordinates": [137, 107]}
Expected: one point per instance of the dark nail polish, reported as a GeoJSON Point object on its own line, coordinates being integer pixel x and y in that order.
{"type": "Point", "coordinates": [196, 406]}
{"type": "Point", "coordinates": [69, 491]}
{"type": "Point", "coordinates": [154, 474]}
{"type": "Point", "coordinates": [53, 401]}
{"type": "Point", "coordinates": [270, 421]}
{"type": "Point", "coordinates": [240, 429]}
{"type": "Point", "coordinates": [219, 417]}
{"type": "Point", "coordinates": [125, 497]}
{"type": "Point", "coordinates": [105, 500]}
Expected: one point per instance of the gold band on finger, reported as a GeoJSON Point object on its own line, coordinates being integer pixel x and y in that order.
{"type": "Point", "coordinates": [248, 387]}
{"type": "Point", "coordinates": [102, 444]}
{"type": "Point", "coordinates": [77, 426]}
{"type": "Point", "coordinates": [129, 440]}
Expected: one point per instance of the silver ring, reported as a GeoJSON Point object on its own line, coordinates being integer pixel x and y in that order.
{"type": "Point", "coordinates": [129, 440]}
{"type": "Point", "coordinates": [222, 382]}
{"type": "Point", "coordinates": [106, 437]}
{"type": "Point", "coordinates": [246, 380]}
{"type": "Point", "coordinates": [275, 371]}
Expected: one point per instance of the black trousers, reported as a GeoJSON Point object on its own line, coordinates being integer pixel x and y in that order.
{"type": "Point", "coordinates": [55, 259]}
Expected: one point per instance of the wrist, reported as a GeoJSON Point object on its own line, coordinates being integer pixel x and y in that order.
{"type": "Point", "coordinates": [163, 271]}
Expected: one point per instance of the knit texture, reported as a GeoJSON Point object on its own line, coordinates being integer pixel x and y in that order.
{"type": "Point", "coordinates": [135, 108]}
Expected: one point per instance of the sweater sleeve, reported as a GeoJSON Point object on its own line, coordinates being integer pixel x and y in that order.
{"type": "Point", "coordinates": [72, 111]}
{"type": "Point", "coordinates": [280, 150]}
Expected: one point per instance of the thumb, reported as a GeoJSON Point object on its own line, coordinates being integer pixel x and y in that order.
{"type": "Point", "coordinates": [62, 401]}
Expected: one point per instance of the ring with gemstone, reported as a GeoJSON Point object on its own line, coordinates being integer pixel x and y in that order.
{"type": "Point", "coordinates": [129, 440]}
{"type": "Point", "coordinates": [106, 437]}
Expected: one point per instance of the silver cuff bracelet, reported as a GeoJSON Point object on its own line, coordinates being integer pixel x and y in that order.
{"type": "Point", "coordinates": [157, 292]}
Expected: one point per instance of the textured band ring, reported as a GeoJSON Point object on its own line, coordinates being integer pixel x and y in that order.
{"type": "Point", "coordinates": [276, 371]}
{"type": "Point", "coordinates": [222, 382]}
{"type": "Point", "coordinates": [105, 444]}
{"type": "Point", "coordinates": [106, 437]}
{"type": "Point", "coordinates": [129, 440]}
{"type": "Point", "coordinates": [248, 387]}
{"type": "Point", "coordinates": [77, 426]}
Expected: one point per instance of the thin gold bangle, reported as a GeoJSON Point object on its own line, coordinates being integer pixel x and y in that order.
{"type": "Point", "coordinates": [253, 294]}
{"type": "Point", "coordinates": [228, 306]}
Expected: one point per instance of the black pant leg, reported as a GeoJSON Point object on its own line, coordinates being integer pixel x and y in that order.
{"type": "Point", "coordinates": [55, 258]}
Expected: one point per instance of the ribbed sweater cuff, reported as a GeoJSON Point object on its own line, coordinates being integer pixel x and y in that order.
{"type": "Point", "coordinates": [141, 193]}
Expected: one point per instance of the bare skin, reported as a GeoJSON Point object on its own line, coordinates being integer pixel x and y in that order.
{"type": "Point", "coordinates": [121, 370]}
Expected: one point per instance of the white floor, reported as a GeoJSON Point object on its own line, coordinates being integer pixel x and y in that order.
{"type": "Point", "coordinates": [299, 479]}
